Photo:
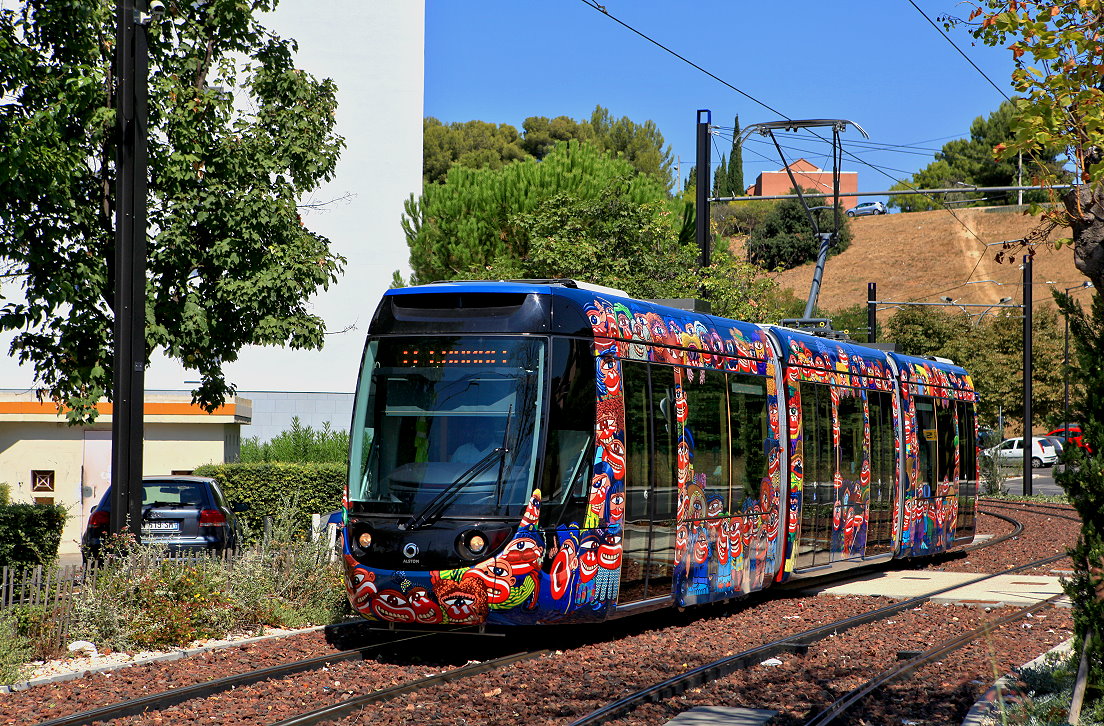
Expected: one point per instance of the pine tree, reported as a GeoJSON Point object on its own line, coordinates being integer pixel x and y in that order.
{"type": "Point", "coordinates": [720, 178]}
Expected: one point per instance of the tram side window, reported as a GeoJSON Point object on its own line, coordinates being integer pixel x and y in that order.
{"type": "Point", "coordinates": [818, 465]}
{"type": "Point", "coordinates": [883, 472]}
{"type": "Point", "coordinates": [666, 442]}
{"type": "Point", "coordinates": [967, 485]}
{"type": "Point", "coordinates": [569, 452]}
{"type": "Point", "coordinates": [748, 404]}
{"type": "Point", "coordinates": [707, 420]}
{"type": "Point", "coordinates": [927, 438]}
{"type": "Point", "coordinates": [945, 436]}
{"type": "Point", "coordinates": [851, 434]}
{"type": "Point", "coordinates": [634, 379]}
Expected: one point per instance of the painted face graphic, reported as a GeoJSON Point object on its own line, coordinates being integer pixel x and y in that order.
{"type": "Point", "coordinates": [701, 546]}
{"type": "Point", "coordinates": [794, 413]}
{"type": "Point", "coordinates": [609, 551]}
{"type": "Point", "coordinates": [599, 486]}
{"type": "Point", "coordinates": [617, 507]}
{"type": "Point", "coordinates": [461, 603]}
{"type": "Point", "coordinates": [714, 508]}
{"type": "Point", "coordinates": [588, 559]}
{"type": "Point", "coordinates": [680, 404]}
{"type": "Point", "coordinates": [682, 540]}
{"type": "Point", "coordinates": [735, 537]}
{"type": "Point", "coordinates": [563, 567]}
{"type": "Point", "coordinates": [425, 610]}
{"type": "Point", "coordinates": [596, 318]}
{"type": "Point", "coordinates": [523, 554]}
{"type": "Point", "coordinates": [392, 605]}
{"type": "Point", "coordinates": [496, 575]}
{"type": "Point", "coordinates": [795, 507]}
{"type": "Point", "coordinates": [614, 455]}
{"type": "Point", "coordinates": [361, 584]}
{"type": "Point", "coordinates": [683, 460]}
{"type": "Point", "coordinates": [722, 542]}
{"type": "Point", "coordinates": [611, 374]}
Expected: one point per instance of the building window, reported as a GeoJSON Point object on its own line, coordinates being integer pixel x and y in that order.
{"type": "Point", "coordinates": [42, 481]}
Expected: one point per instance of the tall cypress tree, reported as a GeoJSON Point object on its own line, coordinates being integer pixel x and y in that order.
{"type": "Point", "coordinates": [736, 162]}
{"type": "Point", "coordinates": [720, 178]}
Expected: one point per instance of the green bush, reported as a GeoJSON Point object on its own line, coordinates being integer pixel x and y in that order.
{"type": "Point", "coordinates": [785, 239]}
{"type": "Point", "coordinates": [300, 444]}
{"type": "Point", "coordinates": [14, 650]}
{"type": "Point", "coordinates": [267, 487]}
{"type": "Point", "coordinates": [30, 534]}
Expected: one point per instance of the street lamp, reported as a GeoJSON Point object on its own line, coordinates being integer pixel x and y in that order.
{"type": "Point", "coordinates": [1065, 360]}
{"type": "Point", "coordinates": [951, 301]}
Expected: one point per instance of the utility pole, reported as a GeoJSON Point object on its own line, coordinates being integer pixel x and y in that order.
{"type": "Point", "coordinates": [131, 94]}
{"type": "Point", "coordinates": [1028, 441]}
{"type": "Point", "coordinates": [701, 197]}
{"type": "Point", "coordinates": [872, 312]}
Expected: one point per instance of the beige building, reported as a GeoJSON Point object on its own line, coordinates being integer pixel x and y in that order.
{"type": "Point", "coordinates": [44, 459]}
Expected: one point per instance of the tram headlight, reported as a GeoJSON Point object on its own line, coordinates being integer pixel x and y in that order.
{"type": "Point", "coordinates": [473, 544]}
{"type": "Point", "coordinates": [365, 540]}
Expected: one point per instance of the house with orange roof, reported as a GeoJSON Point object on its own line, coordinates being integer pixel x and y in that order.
{"type": "Point", "coordinates": [808, 176]}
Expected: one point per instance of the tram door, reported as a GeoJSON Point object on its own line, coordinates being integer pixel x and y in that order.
{"type": "Point", "coordinates": [650, 489]}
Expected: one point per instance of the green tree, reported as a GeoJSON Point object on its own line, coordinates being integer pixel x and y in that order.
{"type": "Point", "coordinates": [785, 239]}
{"type": "Point", "coordinates": [237, 134]}
{"type": "Point", "coordinates": [720, 178]}
{"type": "Point", "coordinates": [641, 145]}
{"type": "Point", "coordinates": [969, 162]}
{"type": "Point", "coordinates": [736, 162]}
{"type": "Point", "coordinates": [464, 224]}
{"type": "Point", "coordinates": [541, 134]}
{"type": "Point", "coordinates": [474, 144]}
{"type": "Point", "coordinates": [1059, 57]}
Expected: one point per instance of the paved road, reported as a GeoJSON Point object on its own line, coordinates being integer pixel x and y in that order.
{"type": "Point", "coordinates": [1042, 482]}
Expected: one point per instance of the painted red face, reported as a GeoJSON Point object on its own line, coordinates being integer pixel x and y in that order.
{"type": "Point", "coordinates": [617, 507]}
{"type": "Point", "coordinates": [680, 404]}
{"type": "Point", "coordinates": [497, 576]}
{"type": "Point", "coordinates": [564, 564]}
{"type": "Point", "coordinates": [795, 419]}
{"type": "Point", "coordinates": [588, 560]}
{"type": "Point", "coordinates": [609, 552]}
{"type": "Point", "coordinates": [714, 508]}
{"type": "Point", "coordinates": [682, 539]}
{"type": "Point", "coordinates": [523, 555]}
{"type": "Point", "coordinates": [683, 455]}
{"type": "Point", "coordinates": [532, 512]}
{"type": "Point", "coordinates": [599, 486]}
{"type": "Point", "coordinates": [614, 455]}
{"type": "Point", "coordinates": [460, 607]}
{"type": "Point", "coordinates": [735, 537]}
{"type": "Point", "coordinates": [722, 543]}
{"type": "Point", "coordinates": [611, 374]}
{"type": "Point", "coordinates": [607, 428]}
{"type": "Point", "coordinates": [425, 610]}
{"type": "Point", "coordinates": [392, 605]}
{"type": "Point", "coordinates": [701, 547]}
{"type": "Point", "coordinates": [361, 587]}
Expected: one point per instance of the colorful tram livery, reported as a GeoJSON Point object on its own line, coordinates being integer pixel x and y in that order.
{"type": "Point", "coordinates": [529, 452]}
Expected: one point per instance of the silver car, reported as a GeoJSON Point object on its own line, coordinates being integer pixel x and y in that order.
{"type": "Point", "coordinates": [864, 208]}
{"type": "Point", "coordinates": [1010, 451]}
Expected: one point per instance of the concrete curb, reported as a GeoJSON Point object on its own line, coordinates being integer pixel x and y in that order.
{"type": "Point", "coordinates": [174, 655]}
{"type": "Point", "coordinates": [1004, 691]}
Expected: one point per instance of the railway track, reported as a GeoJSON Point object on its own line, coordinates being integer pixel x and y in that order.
{"type": "Point", "coordinates": [849, 701]}
{"type": "Point", "coordinates": [797, 643]}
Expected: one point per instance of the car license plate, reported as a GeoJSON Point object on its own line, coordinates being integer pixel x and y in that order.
{"type": "Point", "coordinates": [162, 526]}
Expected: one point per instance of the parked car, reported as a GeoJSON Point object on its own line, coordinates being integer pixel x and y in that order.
{"type": "Point", "coordinates": [183, 513]}
{"type": "Point", "coordinates": [864, 208]}
{"type": "Point", "coordinates": [1010, 451]}
{"type": "Point", "coordinates": [1073, 433]}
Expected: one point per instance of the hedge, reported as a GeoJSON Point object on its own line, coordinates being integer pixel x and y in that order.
{"type": "Point", "coordinates": [30, 534]}
{"type": "Point", "coordinates": [267, 487]}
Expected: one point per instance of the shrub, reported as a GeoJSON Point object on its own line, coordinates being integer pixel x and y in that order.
{"type": "Point", "coordinates": [30, 534]}
{"type": "Point", "coordinates": [784, 239]}
{"type": "Point", "coordinates": [14, 651]}
{"type": "Point", "coordinates": [301, 444]}
{"type": "Point", "coordinates": [267, 487]}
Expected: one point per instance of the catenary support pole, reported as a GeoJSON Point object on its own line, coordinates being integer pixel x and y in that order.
{"type": "Point", "coordinates": [1028, 442]}
{"type": "Point", "coordinates": [872, 312]}
{"type": "Point", "coordinates": [131, 92]}
{"type": "Point", "coordinates": [703, 179]}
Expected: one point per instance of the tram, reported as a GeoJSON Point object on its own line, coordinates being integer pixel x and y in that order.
{"type": "Point", "coordinates": [539, 452]}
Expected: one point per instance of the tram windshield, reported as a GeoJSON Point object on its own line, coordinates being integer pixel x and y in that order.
{"type": "Point", "coordinates": [447, 426]}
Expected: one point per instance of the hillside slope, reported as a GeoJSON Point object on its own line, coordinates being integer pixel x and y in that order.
{"type": "Point", "coordinates": [920, 256]}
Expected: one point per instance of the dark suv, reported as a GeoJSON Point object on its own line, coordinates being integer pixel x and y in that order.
{"type": "Point", "coordinates": [183, 513]}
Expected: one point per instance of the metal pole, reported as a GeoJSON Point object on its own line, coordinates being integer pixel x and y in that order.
{"type": "Point", "coordinates": [701, 203]}
{"type": "Point", "coordinates": [131, 94]}
{"type": "Point", "coordinates": [1027, 441]}
{"type": "Point", "coordinates": [1065, 377]}
{"type": "Point", "coordinates": [872, 312]}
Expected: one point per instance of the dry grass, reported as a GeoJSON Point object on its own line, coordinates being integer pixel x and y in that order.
{"type": "Point", "coordinates": [922, 255]}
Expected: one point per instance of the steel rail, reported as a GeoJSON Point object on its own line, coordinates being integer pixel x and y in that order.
{"type": "Point", "coordinates": [839, 707]}
{"type": "Point", "coordinates": [723, 667]}
{"type": "Point", "coordinates": [165, 699]}
{"type": "Point", "coordinates": [352, 705]}
{"type": "Point", "coordinates": [1029, 506]}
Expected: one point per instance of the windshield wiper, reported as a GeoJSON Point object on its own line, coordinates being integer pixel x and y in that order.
{"type": "Point", "coordinates": [432, 511]}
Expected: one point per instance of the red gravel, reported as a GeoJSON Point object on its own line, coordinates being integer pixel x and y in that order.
{"type": "Point", "coordinates": [623, 657]}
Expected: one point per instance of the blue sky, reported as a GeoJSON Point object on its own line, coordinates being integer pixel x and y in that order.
{"type": "Point", "coordinates": [878, 63]}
